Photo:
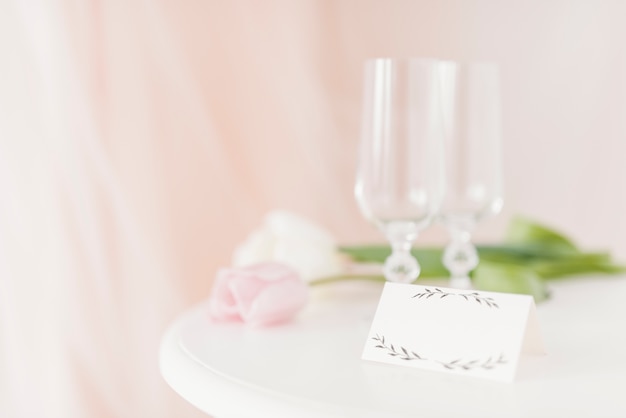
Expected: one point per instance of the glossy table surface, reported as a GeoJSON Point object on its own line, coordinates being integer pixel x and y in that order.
{"type": "Point", "coordinates": [311, 367]}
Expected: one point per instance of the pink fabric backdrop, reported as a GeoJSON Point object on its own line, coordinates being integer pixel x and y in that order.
{"type": "Point", "coordinates": [140, 141]}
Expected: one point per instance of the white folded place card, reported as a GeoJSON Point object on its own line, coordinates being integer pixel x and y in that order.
{"type": "Point", "coordinates": [464, 332]}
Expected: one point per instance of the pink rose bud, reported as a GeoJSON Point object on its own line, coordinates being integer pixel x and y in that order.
{"type": "Point", "coordinates": [260, 294]}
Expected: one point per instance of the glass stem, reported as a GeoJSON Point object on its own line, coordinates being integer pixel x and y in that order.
{"type": "Point", "coordinates": [460, 257]}
{"type": "Point", "coordinates": [401, 266]}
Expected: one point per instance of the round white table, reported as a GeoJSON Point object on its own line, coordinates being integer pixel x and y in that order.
{"type": "Point", "coordinates": [311, 367]}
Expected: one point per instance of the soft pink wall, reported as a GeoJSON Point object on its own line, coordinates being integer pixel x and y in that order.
{"type": "Point", "coordinates": [564, 92]}
{"type": "Point", "coordinates": [140, 141]}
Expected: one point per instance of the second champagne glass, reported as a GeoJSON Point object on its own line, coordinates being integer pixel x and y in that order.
{"type": "Point", "coordinates": [399, 184]}
{"type": "Point", "coordinates": [471, 110]}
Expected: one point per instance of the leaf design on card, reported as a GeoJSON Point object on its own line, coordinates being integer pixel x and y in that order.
{"type": "Point", "coordinates": [457, 364]}
{"type": "Point", "coordinates": [477, 297]}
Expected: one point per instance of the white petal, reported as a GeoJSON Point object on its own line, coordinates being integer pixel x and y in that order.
{"type": "Point", "coordinates": [309, 259]}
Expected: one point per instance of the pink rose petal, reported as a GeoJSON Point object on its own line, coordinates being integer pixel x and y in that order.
{"type": "Point", "coordinates": [260, 295]}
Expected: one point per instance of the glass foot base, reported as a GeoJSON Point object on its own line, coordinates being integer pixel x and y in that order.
{"type": "Point", "coordinates": [461, 283]}
{"type": "Point", "coordinates": [401, 268]}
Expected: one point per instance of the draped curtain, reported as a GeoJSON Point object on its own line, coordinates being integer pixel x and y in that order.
{"type": "Point", "coordinates": [140, 141]}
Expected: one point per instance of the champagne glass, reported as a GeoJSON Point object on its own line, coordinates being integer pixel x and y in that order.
{"type": "Point", "coordinates": [471, 114]}
{"type": "Point", "coordinates": [399, 185]}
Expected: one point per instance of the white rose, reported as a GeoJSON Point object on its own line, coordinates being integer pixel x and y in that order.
{"type": "Point", "coordinates": [293, 240]}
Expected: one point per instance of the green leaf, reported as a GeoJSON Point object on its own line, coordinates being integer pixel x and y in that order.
{"type": "Point", "coordinates": [531, 254]}
{"type": "Point", "coordinates": [429, 258]}
{"type": "Point", "coordinates": [509, 278]}
{"type": "Point", "coordinates": [525, 231]}
{"type": "Point", "coordinates": [586, 264]}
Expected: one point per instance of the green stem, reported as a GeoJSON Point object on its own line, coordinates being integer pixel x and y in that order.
{"type": "Point", "coordinates": [334, 279]}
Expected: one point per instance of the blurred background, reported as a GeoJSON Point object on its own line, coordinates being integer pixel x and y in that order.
{"type": "Point", "coordinates": [140, 141]}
